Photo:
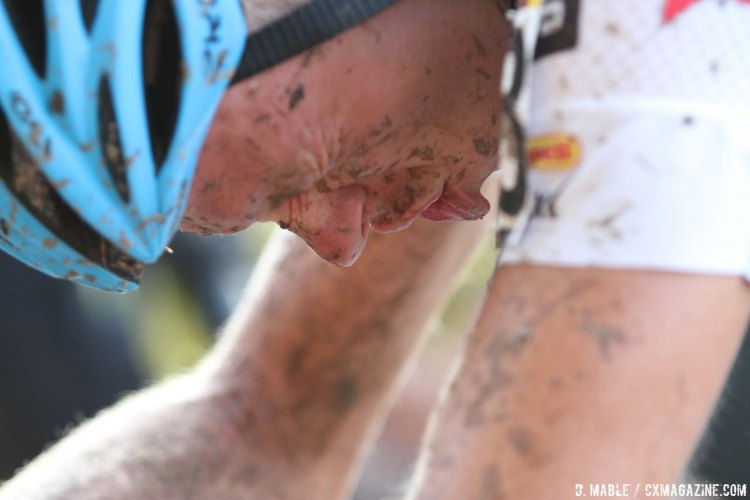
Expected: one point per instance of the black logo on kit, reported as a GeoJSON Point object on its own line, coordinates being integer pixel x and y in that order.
{"type": "Point", "coordinates": [559, 30]}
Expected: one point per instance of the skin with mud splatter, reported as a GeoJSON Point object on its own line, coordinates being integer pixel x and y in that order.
{"type": "Point", "coordinates": [354, 138]}
{"type": "Point", "coordinates": [566, 365]}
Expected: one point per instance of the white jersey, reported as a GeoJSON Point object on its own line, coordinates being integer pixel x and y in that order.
{"type": "Point", "coordinates": [639, 137]}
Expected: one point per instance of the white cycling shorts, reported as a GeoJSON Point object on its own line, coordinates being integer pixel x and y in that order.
{"type": "Point", "coordinates": [639, 140]}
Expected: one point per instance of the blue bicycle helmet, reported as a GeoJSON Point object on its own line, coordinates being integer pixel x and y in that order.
{"type": "Point", "coordinates": [104, 106]}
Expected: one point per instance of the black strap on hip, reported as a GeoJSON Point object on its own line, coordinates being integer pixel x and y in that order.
{"type": "Point", "coordinates": [302, 29]}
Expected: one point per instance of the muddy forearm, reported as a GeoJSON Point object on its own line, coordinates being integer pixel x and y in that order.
{"type": "Point", "coordinates": [584, 376]}
{"type": "Point", "coordinates": [317, 349]}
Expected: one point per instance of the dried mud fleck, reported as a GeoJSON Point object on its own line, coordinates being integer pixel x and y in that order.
{"type": "Point", "coordinates": [483, 147]}
{"type": "Point", "coordinates": [322, 186]}
{"type": "Point", "coordinates": [426, 153]}
{"type": "Point", "coordinates": [483, 73]}
{"type": "Point", "coordinates": [263, 117]}
{"type": "Point", "coordinates": [347, 394]}
{"type": "Point", "coordinates": [57, 103]}
{"type": "Point", "coordinates": [479, 46]}
{"type": "Point", "coordinates": [606, 336]}
{"type": "Point", "coordinates": [520, 440]}
{"type": "Point", "coordinates": [297, 95]}
{"type": "Point", "coordinates": [612, 28]}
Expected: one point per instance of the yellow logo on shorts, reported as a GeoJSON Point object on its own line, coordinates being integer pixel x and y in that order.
{"type": "Point", "coordinates": [553, 152]}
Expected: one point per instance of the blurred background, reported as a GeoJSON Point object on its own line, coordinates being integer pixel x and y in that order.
{"type": "Point", "coordinates": [66, 352]}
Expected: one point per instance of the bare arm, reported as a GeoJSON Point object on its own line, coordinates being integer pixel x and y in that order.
{"type": "Point", "coordinates": [285, 404]}
{"type": "Point", "coordinates": [583, 376]}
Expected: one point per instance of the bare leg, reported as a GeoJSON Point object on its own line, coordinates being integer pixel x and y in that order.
{"type": "Point", "coordinates": [583, 376]}
{"type": "Point", "coordinates": [307, 365]}
{"type": "Point", "coordinates": [286, 403]}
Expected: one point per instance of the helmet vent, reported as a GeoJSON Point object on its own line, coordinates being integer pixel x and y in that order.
{"type": "Point", "coordinates": [23, 177]}
{"type": "Point", "coordinates": [27, 17]}
{"type": "Point", "coordinates": [88, 11]}
{"type": "Point", "coordinates": [109, 138]}
{"type": "Point", "coordinates": [162, 71]}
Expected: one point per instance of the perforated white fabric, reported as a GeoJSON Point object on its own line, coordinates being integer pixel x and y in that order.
{"type": "Point", "coordinates": [644, 156]}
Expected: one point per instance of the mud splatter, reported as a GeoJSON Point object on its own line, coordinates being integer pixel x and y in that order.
{"type": "Point", "coordinates": [297, 95]}
{"type": "Point", "coordinates": [479, 46]}
{"type": "Point", "coordinates": [612, 28]}
{"type": "Point", "coordinates": [520, 441]}
{"type": "Point", "coordinates": [57, 103]}
{"type": "Point", "coordinates": [606, 336]}
{"type": "Point", "coordinates": [346, 395]}
{"type": "Point", "coordinates": [491, 484]}
{"type": "Point", "coordinates": [425, 153]}
{"type": "Point", "coordinates": [608, 222]}
{"type": "Point", "coordinates": [483, 73]}
{"type": "Point", "coordinates": [322, 186]}
{"type": "Point", "coordinates": [263, 117]}
{"type": "Point", "coordinates": [495, 383]}
{"type": "Point", "coordinates": [484, 147]}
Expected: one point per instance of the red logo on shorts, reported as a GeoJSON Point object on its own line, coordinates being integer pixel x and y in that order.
{"type": "Point", "coordinates": [673, 8]}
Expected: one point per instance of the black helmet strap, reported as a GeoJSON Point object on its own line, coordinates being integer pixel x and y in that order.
{"type": "Point", "coordinates": [302, 29]}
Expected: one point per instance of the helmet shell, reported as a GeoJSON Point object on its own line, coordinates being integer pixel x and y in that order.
{"type": "Point", "coordinates": [84, 130]}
